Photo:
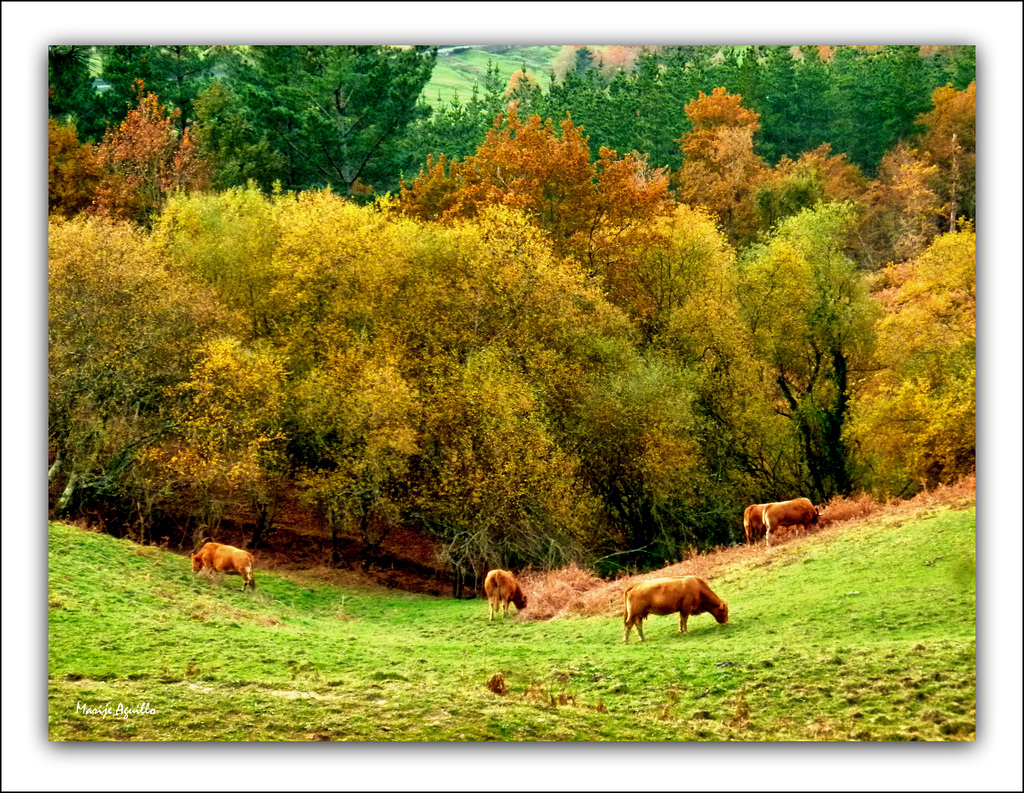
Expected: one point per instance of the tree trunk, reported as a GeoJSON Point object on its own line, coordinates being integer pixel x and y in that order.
{"type": "Point", "coordinates": [335, 545]}
{"type": "Point", "coordinates": [65, 497]}
{"type": "Point", "coordinates": [264, 523]}
{"type": "Point", "coordinates": [54, 469]}
{"type": "Point", "coordinates": [836, 418]}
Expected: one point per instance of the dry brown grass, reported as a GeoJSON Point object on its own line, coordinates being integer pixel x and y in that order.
{"type": "Point", "coordinates": [497, 683]}
{"type": "Point", "coordinates": [840, 511]}
{"type": "Point", "coordinates": [549, 594]}
{"type": "Point", "coordinates": [574, 590]}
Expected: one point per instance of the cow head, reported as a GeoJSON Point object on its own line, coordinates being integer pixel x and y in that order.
{"type": "Point", "coordinates": [816, 513]}
{"type": "Point", "coordinates": [519, 599]}
{"type": "Point", "coordinates": [721, 612]}
{"type": "Point", "coordinates": [197, 563]}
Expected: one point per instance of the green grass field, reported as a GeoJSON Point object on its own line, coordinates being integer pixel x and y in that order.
{"type": "Point", "coordinates": [868, 634]}
{"type": "Point", "coordinates": [455, 74]}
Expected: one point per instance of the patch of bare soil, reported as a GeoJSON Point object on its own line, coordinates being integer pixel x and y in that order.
{"type": "Point", "coordinates": [298, 544]}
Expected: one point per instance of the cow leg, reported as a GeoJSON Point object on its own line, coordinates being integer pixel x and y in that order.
{"type": "Point", "coordinates": [625, 638]}
{"type": "Point", "coordinates": [682, 622]}
{"type": "Point", "coordinates": [490, 603]}
{"type": "Point", "coordinates": [640, 629]}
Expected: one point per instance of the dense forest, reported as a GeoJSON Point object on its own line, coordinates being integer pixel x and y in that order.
{"type": "Point", "coordinates": [583, 317]}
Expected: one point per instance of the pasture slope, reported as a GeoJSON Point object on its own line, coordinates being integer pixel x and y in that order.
{"type": "Point", "coordinates": [458, 69]}
{"type": "Point", "coordinates": [867, 634]}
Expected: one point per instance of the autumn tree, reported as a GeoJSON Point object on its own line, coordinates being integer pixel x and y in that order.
{"type": "Point", "coordinates": [226, 451]}
{"type": "Point", "coordinates": [383, 319]}
{"type": "Point", "coordinates": [123, 330]}
{"type": "Point", "coordinates": [523, 91]}
{"type": "Point", "coordinates": [500, 491]}
{"type": "Point", "coordinates": [355, 428]}
{"type": "Point", "coordinates": [949, 143]}
{"type": "Point", "coordinates": [598, 213]}
{"type": "Point", "coordinates": [807, 309]}
{"type": "Point", "coordinates": [638, 450]}
{"type": "Point", "coordinates": [525, 166]}
{"type": "Point", "coordinates": [229, 241]}
{"type": "Point", "coordinates": [502, 338]}
{"type": "Point", "coordinates": [73, 171]}
{"type": "Point", "coordinates": [799, 184]}
{"type": "Point", "coordinates": [720, 169]}
{"type": "Point", "coordinates": [689, 272]}
{"type": "Point", "coordinates": [903, 212]}
{"type": "Point", "coordinates": [143, 161]}
{"type": "Point", "coordinates": [917, 417]}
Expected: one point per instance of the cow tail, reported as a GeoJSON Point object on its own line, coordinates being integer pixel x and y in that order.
{"type": "Point", "coordinates": [625, 605]}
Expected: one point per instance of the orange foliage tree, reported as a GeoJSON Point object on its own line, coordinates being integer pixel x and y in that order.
{"type": "Point", "coordinates": [720, 170]}
{"type": "Point", "coordinates": [598, 213]}
{"type": "Point", "coordinates": [143, 160]}
{"type": "Point", "coordinates": [74, 171]}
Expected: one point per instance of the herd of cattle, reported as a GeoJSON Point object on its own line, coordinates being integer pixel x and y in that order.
{"type": "Point", "coordinates": [688, 596]}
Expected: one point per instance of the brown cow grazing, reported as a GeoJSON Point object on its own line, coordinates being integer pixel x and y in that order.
{"type": "Point", "coordinates": [689, 596]}
{"type": "Point", "coordinates": [502, 588]}
{"type": "Point", "coordinates": [225, 559]}
{"type": "Point", "coordinates": [797, 512]}
{"type": "Point", "coordinates": [753, 526]}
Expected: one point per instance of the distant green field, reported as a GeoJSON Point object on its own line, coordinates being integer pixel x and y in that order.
{"type": "Point", "coordinates": [458, 69]}
{"type": "Point", "coordinates": [868, 635]}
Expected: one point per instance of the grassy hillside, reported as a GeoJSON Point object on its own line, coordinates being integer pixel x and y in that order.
{"type": "Point", "coordinates": [458, 68]}
{"type": "Point", "coordinates": [868, 634]}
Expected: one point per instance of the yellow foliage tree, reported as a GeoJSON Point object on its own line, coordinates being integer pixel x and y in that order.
{"type": "Point", "coordinates": [228, 240]}
{"type": "Point", "coordinates": [811, 321]}
{"type": "Point", "coordinates": [355, 422]}
{"type": "Point", "coordinates": [903, 210]}
{"type": "Point", "coordinates": [226, 451]}
{"type": "Point", "coordinates": [499, 491]}
{"type": "Point", "coordinates": [918, 419]}
{"type": "Point", "coordinates": [123, 329]}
